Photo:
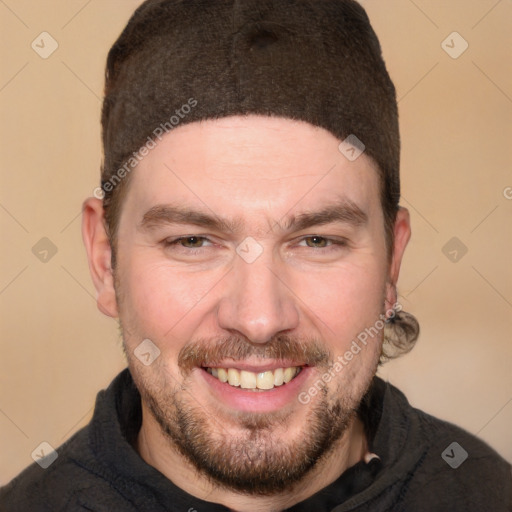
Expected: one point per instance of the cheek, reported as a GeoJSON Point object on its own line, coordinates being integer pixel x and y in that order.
{"type": "Point", "coordinates": [158, 300]}
{"type": "Point", "coordinates": [347, 299]}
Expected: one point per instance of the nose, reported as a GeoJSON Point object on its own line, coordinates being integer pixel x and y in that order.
{"type": "Point", "coordinates": [257, 303]}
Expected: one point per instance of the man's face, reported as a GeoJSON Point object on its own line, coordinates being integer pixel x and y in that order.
{"type": "Point", "coordinates": [252, 249]}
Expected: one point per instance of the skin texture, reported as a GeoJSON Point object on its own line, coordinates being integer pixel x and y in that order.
{"type": "Point", "coordinates": [301, 301]}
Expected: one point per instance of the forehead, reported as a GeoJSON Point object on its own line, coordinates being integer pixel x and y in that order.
{"type": "Point", "coordinates": [252, 164]}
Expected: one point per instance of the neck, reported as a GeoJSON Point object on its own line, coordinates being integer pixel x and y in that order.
{"type": "Point", "coordinates": [155, 449]}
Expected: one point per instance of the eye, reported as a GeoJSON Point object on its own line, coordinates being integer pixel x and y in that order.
{"type": "Point", "coordinates": [317, 241]}
{"type": "Point", "coordinates": [189, 242]}
{"type": "Point", "coordinates": [322, 245]}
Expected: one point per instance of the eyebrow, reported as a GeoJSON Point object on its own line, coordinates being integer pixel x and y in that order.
{"type": "Point", "coordinates": [170, 214]}
{"type": "Point", "coordinates": [343, 211]}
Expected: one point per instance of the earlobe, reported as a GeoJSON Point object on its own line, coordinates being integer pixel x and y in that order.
{"type": "Point", "coordinates": [99, 254]}
{"type": "Point", "coordinates": [402, 234]}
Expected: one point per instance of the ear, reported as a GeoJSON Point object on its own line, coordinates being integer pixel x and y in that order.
{"type": "Point", "coordinates": [99, 255]}
{"type": "Point", "coordinates": [402, 234]}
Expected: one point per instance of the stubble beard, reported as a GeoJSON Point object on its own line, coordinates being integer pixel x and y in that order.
{"type": "Point", "coordinates": [253, 460]}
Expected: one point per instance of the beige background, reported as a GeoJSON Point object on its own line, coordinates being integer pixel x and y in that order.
{"type": "Point", "coordinates": [57, 350]}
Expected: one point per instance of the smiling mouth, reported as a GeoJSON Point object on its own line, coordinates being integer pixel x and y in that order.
{"type": "Point", "coordinates": [262, 381]}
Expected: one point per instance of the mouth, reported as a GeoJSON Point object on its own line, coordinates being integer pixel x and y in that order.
{"type": "Point", "coordinates": [255, 381]}
{"type": "Point", "coordinates": [254, 386]}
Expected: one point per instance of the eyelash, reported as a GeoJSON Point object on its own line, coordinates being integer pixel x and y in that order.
{"type": "Point", "coordinates": [176, 241]}
{"type": "Point", "coordinates": [332, 244]}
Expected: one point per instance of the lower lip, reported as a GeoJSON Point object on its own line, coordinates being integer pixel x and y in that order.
{"type": "Point", "coordinates": [257, 401]}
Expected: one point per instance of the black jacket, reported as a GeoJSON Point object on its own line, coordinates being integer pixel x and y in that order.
{"type": "Point", "coordinates": [98, 469]}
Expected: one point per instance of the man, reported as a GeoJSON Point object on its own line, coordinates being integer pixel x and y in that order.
{"type": "Point", "coordinates": [249, 240]}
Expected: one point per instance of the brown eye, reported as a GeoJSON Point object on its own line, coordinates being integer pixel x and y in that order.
{"type": "Point", "coordinates": [188, 242]}
{"type": "Point", "coordinates": [316, 241]}
{"type": "Point", "coordinates": [192, 242]}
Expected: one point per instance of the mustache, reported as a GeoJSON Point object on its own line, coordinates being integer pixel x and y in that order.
{"type": "Point", "coordinates": [308, 351]}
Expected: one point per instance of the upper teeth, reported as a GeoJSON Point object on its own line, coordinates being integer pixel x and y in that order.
{"type": "Point", "coordinates": [251, 380]}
